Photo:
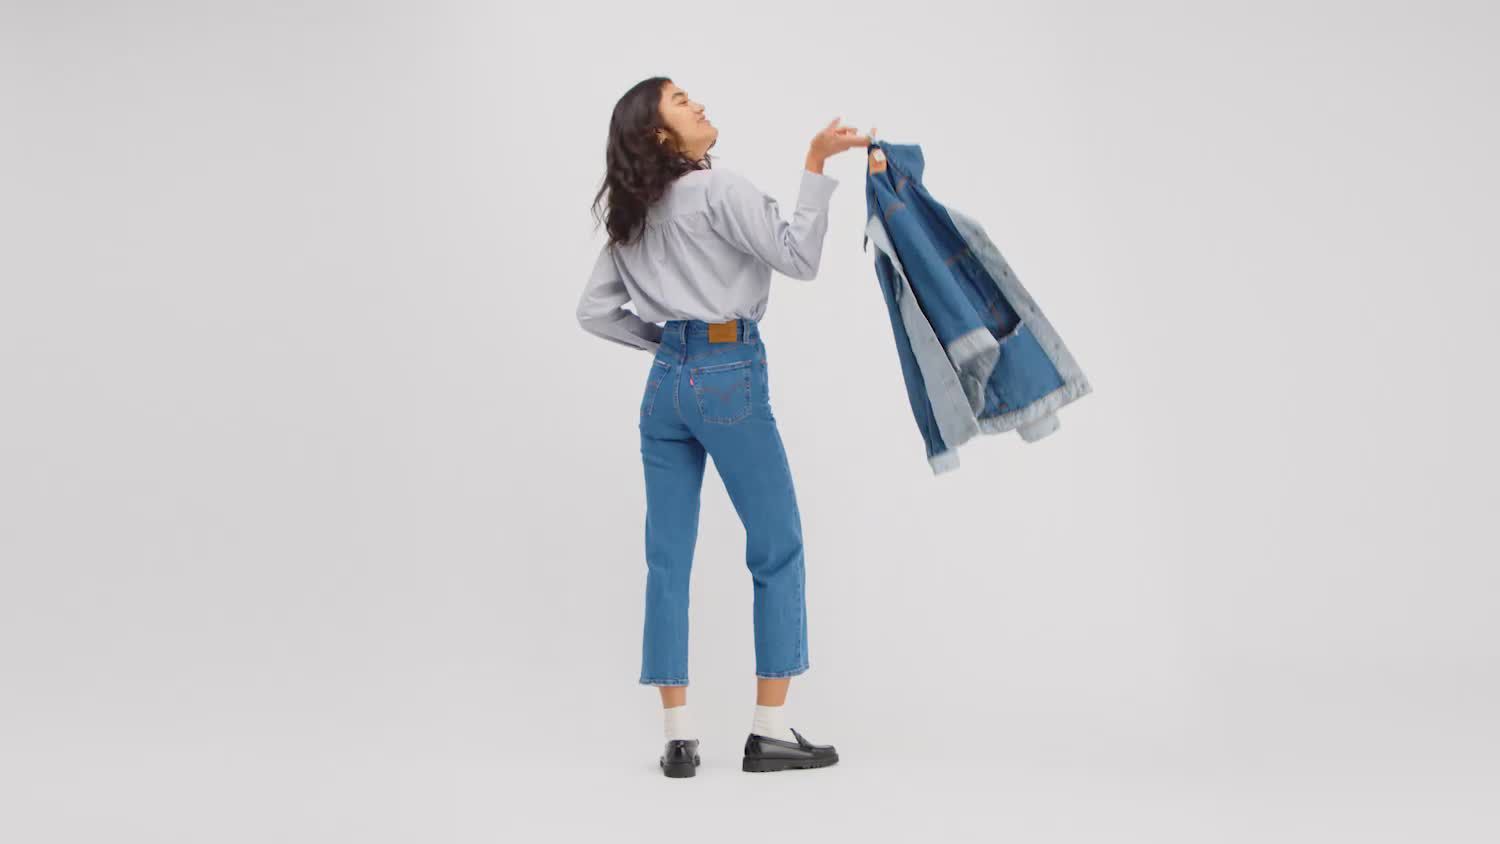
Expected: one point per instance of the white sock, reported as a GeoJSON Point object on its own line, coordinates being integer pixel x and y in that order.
{"type": "Point", "coordinates": [678, 723]}
{"type": "Point", "coordinates": [768, 723]}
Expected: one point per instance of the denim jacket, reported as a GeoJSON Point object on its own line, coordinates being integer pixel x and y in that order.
{"type": "Point", "coordinates": [977, 354]}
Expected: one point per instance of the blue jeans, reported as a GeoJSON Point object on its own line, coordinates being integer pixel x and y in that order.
{"type": "Point", "coordinates": [704, 398]}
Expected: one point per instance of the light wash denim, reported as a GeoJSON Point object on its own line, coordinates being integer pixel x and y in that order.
{"type": "Point", "coordinates": [703, 399]}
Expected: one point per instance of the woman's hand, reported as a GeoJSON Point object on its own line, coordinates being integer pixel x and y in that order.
{"type": "Point", "coordinates": [832, 140]}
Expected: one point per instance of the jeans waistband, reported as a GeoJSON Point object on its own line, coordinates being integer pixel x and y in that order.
{"type": "Point", "coordinates": [745, 329]}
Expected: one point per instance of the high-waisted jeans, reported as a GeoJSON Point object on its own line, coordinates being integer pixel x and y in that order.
{"type": "Point", "coordinates": [713, 398]}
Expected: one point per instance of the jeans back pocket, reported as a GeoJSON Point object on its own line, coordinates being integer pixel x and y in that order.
{"type": "Point", "coordinates": [722, 390]}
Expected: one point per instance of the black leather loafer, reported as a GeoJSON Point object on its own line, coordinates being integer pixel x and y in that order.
{"type": "Point", "coordinates": [763, 753]}
{"type": "Point", "coordinates": [680, 759]}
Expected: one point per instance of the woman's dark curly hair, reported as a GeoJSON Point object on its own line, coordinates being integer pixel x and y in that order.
{"type": "Point", "coordinates": [638, 167]}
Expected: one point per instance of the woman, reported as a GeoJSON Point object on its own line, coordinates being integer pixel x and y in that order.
{"type": "Point", "coordinates": [694, 248]}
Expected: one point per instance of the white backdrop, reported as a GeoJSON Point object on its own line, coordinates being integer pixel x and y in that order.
{"type": "Point", "coordinates": [322, 518]}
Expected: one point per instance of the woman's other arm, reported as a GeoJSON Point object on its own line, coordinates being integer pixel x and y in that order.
{"type": "Point", "coordinates": [601, 312]}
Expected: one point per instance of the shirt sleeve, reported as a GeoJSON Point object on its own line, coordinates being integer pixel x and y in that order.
{"type": "Point", "coordinates": [600, 310]}
{"type": "Point", "coordinates": [750, 219]}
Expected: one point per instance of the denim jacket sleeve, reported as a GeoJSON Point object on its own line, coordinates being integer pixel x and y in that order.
{"type": "Point", "coordinates": [750, 219]}
{"type": "Point", "coordinates": [601, 312]}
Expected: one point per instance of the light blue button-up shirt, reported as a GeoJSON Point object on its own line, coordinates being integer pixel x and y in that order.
{"type": "Point", "coordinates": [707, 252]}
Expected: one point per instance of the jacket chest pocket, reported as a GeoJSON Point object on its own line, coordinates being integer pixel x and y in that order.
{"type": "Point", "coordinates": [723, 391]}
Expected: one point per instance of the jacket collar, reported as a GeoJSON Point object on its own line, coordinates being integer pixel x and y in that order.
{"type": "Point", "coordinates": [902, 160]}
{"type": "Point", "coordinates": [905, 158]}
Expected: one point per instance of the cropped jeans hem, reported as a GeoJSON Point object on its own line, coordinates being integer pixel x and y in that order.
{"type": "Point", "coordinates": [773, 675]}
{"type": "Point", "coordinates": [648, 681]}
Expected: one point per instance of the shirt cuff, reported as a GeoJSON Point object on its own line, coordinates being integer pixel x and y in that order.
{"type": "Point", "coordinates": [816, 189]}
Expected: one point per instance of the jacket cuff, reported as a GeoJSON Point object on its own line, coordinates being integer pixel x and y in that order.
{"type": "Point", "coordinates": [816, 188]}
{"type": "Point", "coordinates": [1038, 428]}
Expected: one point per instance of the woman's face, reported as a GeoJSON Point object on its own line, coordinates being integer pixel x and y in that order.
{"type": "Point", "coordinates": [686, 120]}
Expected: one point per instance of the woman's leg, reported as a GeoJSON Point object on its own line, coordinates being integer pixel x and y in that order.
{"type": "Point", "coordinates": [676, 696]}
{"type": "Point", "coordinates": [751, 460]}
{"type": "Point", "coordinates": [673, 462]}
{"type": "Point", "coordinates": [728, 407]}
{"type": "Point", "coordinates": [769, 691]}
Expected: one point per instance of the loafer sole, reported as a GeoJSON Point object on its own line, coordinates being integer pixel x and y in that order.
{"type": "Point", "coordinates": [764, 765]}
{"type": "Point", "coordinates": [679, 769]}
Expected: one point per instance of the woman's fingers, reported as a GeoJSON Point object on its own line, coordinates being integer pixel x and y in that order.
{"type": "Point", "coordinates": [840, 138]}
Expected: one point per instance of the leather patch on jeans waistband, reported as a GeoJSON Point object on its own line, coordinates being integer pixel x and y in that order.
{"type": "Point", "coordinates": [723, 332]}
